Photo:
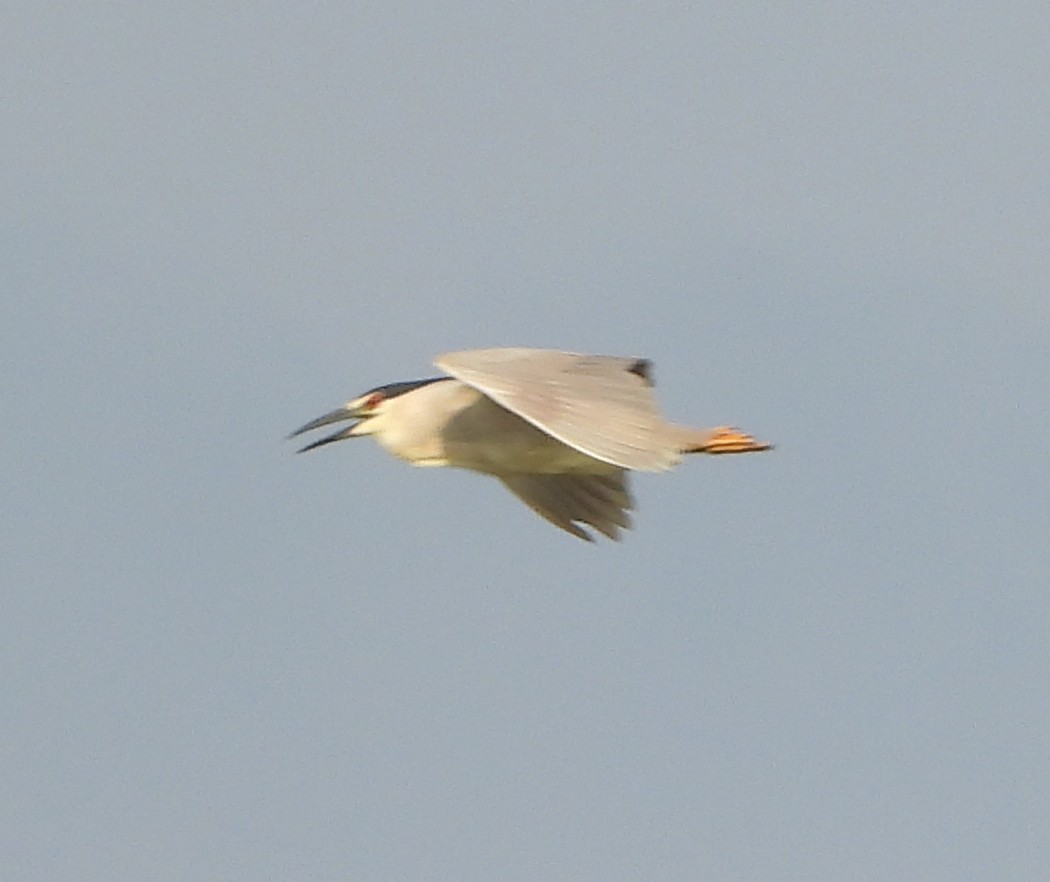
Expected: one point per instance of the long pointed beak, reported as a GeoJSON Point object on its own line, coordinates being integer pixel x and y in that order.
{"type": "Point", "coordinates": [338, 415]}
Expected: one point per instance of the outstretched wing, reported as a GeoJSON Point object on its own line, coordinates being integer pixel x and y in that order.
{"type": "Point", "coordinates": [600, 501]}
{"type": "Point", "coordinates": [597, 404]}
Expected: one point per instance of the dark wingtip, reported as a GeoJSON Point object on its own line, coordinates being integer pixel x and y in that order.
{"type": "Point", "coordinates": [643, 368]}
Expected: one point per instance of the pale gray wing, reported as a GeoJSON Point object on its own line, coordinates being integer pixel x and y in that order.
{"type": "Point", "coordinates": [597, 404]}
{"type": "Point", "coordinates": [600, 501]}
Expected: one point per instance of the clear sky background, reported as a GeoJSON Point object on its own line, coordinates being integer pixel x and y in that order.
{"type": "Point", "coordinates": [827, 223]}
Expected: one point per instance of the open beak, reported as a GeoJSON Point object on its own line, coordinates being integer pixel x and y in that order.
{"type": "Point", "coordinates": [346, 412]}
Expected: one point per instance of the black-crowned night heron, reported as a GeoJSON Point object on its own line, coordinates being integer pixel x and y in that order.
{"type": "Point", "coordinates": [560, 430]}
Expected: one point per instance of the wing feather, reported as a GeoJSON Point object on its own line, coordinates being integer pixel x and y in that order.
{"type": "Point", "coordinates": [600, 405]}
{"type": "Point", "coordinates": [599, 501]}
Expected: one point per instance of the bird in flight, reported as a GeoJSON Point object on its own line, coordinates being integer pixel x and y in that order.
{"type": "Point", "coordinates": [560, 430]}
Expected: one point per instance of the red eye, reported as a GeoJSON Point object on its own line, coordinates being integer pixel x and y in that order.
{"type": "Point", "coordinates": [374, 400]}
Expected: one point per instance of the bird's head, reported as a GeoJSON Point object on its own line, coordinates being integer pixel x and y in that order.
{"type": "Point", "coordinates": [369, 410]}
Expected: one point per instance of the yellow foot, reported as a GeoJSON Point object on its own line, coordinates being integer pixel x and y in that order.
{"type": "Point", "coordinates": [726, 439]}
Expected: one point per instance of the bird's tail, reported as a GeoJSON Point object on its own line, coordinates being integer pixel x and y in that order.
{"type": "Point", "coordinates": [724, 439]}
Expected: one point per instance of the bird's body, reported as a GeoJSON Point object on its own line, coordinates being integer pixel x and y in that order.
{"type": "Point", "coordinates": [560, 430]}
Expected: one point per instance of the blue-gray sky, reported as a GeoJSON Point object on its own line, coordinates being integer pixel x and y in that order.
{"type": "Point", "coordinates": [828, 224]}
